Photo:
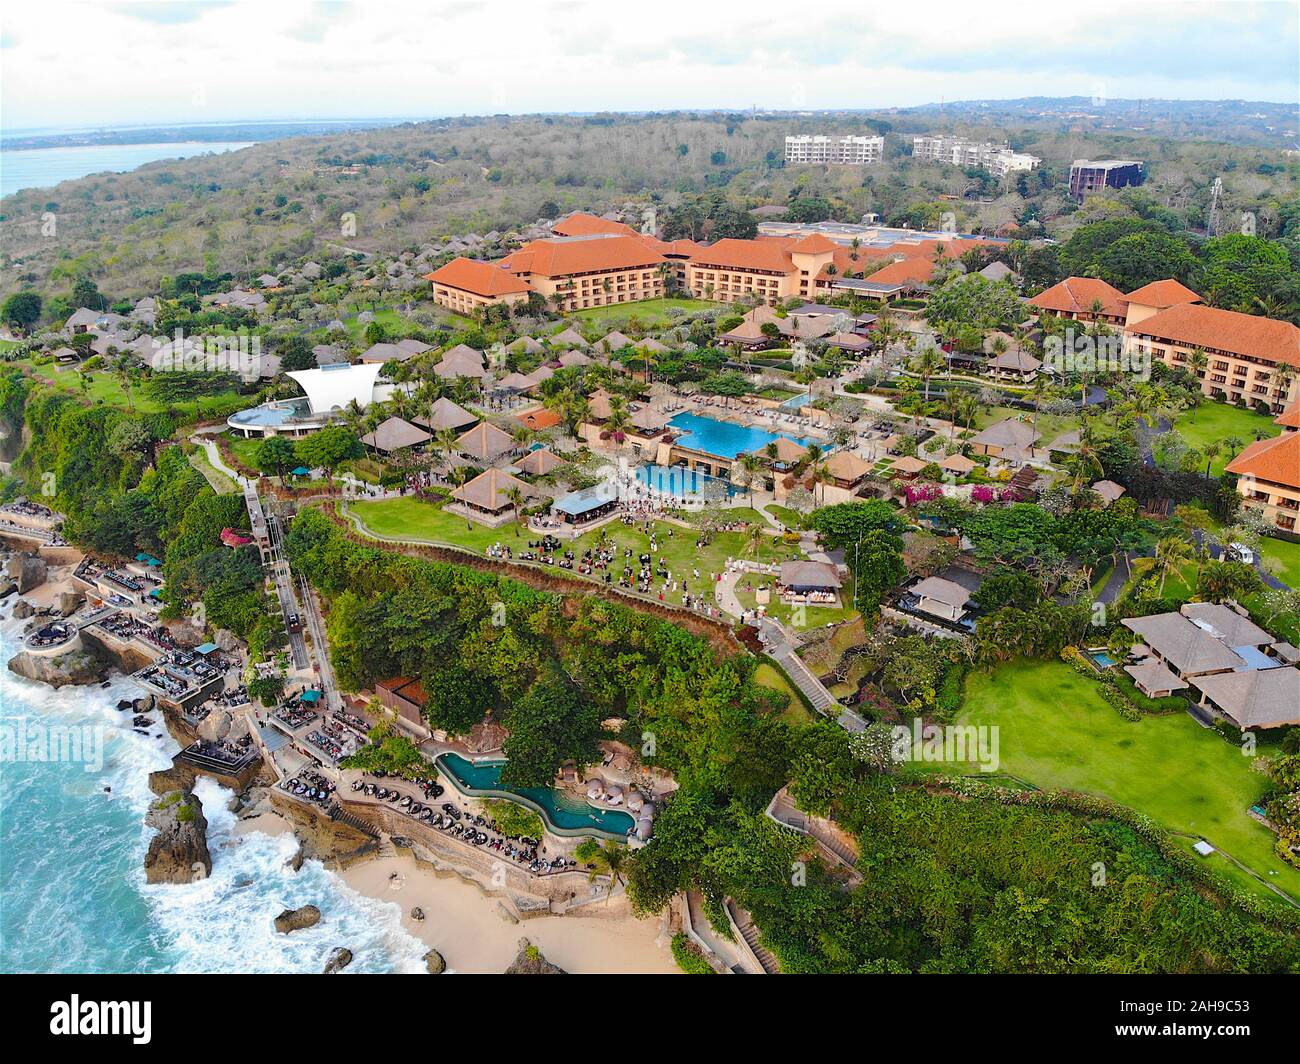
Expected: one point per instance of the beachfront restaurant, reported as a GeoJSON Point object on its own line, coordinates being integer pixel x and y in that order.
{"type": "Point", "coordinates": [583, 507]}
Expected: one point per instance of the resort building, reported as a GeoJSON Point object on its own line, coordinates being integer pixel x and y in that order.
{"type": "Point", "coordinates": [1010, 440]}
{"type": "Point", "coordinates": [1089, 176]}
{"type": "Point", "coordinates": [1085, 299]}
{"type": "Point", "coordinates": [1268, 473]}
{"type": "Point", "coordinates": [812, 583]}
{"type": "Point", "coordinates": [399, 351]}
{"type": "Point", "coordinates": [1248, 358]}
{"type": "Point", "coordinates": [330, 390]}
{"type": "Point", "coordinates": [599, 263]}
{"type": "Point", "coordinates": [1240, 671]}
{"type": "Point", "coordinates": [997, 159]}
{"type": "Point", "coordinates": [487, 498]}
{"type": "Point", "coordinates": [834, 151]}
{"type": "Point", "coordinates": [407, 698]}
{"type": "Point", "coordinates": [941, 598]}
{"type": "Point", "coordinates": [444, 414]}
{"type": "Point", "coordinates": [574, 273]}
{"type": "Point", "coordinates": [395, 434]}
{"type": "Point", "coordinates": [467, 285]}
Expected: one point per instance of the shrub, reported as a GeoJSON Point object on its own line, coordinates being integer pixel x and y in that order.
{"type": "Point", "coordinates": [688, 956]}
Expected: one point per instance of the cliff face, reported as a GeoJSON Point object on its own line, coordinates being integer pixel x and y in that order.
{"type": "Point", "coordinates": [179, 852]}
{"type": "Point", "coordinates": [531, 962]}
{"type": "Point", "coordinates": [75, 667]}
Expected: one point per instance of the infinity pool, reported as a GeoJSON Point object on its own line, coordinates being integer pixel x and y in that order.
{"type": "Point", "coordinates": [563, 815]}
{"type": "Point", "coordinates": [726, 439]}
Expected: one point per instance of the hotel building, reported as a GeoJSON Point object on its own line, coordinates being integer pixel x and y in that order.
{"type": "Point", "coordinates": [1088, 176]}
{"type": "Point", "coordinates": [1268, 473]}
{"type": "Point", "coordinates": [997, 159]}
{"type": "Point", "coordinates": [834, 151]}
{"type": "Point", "coordinates": [1248, 358]}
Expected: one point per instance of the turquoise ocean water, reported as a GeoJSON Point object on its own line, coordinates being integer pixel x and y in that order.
{"type": "Point", "coordinates": [72, 891]}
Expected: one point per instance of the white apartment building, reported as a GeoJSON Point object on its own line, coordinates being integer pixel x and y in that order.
{"type": "Point", "coordinates": [997, 159]}
{"type": "Point", "coordinates": [837, 151]}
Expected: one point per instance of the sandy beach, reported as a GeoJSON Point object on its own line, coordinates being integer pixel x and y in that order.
{"type": "Point", "coordinates": [465, 925]}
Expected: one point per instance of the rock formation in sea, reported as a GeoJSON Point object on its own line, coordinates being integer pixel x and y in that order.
{"type": "Point", "coordinates": [178, 853]}
{"type": "Point", "coordinates": [340, 957]}
{"type": "Point", "coordinates": [531, 962]}
{"type": "Point", "coordinates": [28, 571]}
{"type": "Point", "coordinates": [297, 919]}
{"type": "Point", "coordinates": [74, 667]}
{"type": "Point", "coordinates": [434, 963]}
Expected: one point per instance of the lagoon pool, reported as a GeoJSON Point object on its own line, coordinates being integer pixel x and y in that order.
{"type": "Point", "coordinates": [726, 439]}
{"type": "Point", "coordinates": [563, 815]}
{"type": "Point", "coordinates": [680, 482]}
{"type": "Point", "coordinates": [272, 414]}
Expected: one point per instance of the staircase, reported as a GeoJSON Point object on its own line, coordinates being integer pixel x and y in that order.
{"type": "Point", "coordinates": [336, 812]}
{"type": "Point", "coordinates": [750, 934]}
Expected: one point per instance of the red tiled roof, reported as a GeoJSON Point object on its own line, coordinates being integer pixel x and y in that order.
{"type": "Point", "coordinates": [1276, 460]}
{"type": "Point", "coordinates": [560, 258]}
{"type": "Point", "coordinates": [581, 224]}
{"type": "Point", "coordinates": [1076, 295]}
{"type": "Point", "coordinates": [1194, 325]}
{"type": "Point", "coordinates": [1289, 418]}
{"type": "Point", "coordinates": [904, 271]}
{"type": "Point", "coordinates": [1167, 293]}
{"type": "Point", "coordinates": [769, 255]}
{"type": "Point", "coordinates": [813, 244]}
{"type": "Point", "coordinates": [480, 278]}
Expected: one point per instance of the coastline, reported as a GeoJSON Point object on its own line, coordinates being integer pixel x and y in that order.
{"type": "Point", "coordinates": [465, 923]}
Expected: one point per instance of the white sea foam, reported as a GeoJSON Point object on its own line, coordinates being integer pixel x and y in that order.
{"type": "Point", "coordinates": [72, 877]}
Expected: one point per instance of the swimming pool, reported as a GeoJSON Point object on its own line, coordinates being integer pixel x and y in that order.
{"type": "Point", "coordinates": [797, 401]}
{"type": "Point", "coordinates": [272, 414]}
{"type": "Point", "coordinates": [680, 482]}
{"type": "Point", "coordinates": [726, 439]}
{"type": "Point", "coordinates": [563, 815]}
{"type": "Point", "coordinates": [1103, 659]}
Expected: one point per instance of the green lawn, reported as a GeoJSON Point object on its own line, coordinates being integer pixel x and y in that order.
{"type": "Point", "coordinates": [220, 483]}
{"type": "Point", "coordinates": [1214, 421]}
{"type": "Point", "coordinates": [414, 520]}
{"type": "Point", "coordinates": [1056, 731]}
{"type": "Point", "coordinates": [651, 312]}
{"type": "Point", "coordinates": [1049, 425]}
{"type": "Point", "coordinates": [1286, 555]}
{"type": "Point", "coordinates": [796, 712]}
{"type": "Point", "coordinates": [106, 388]}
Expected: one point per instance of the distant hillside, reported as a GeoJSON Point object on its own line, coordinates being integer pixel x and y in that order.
{"type": "Point", "coordinates": [385, 190]}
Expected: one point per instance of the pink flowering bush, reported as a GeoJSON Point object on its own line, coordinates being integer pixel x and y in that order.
{"type": "Point", "coordinates": [919, 493]}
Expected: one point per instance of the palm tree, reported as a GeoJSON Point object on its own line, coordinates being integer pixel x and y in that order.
{"type": "Point", "coordinates": [750, 467]}
{"type": "Point", "coordinates": [821, 475]}
{"type": "Point", "coordinates": [606, 859]}
{"type": "Point", "coordinates": [1171, 552]}
{"type": "Point", "coordinates": [1211, 450]}
{"type": "Point", "coordinates": [516, 498]}
{"type": "Point", "coordinates": [926, 365]}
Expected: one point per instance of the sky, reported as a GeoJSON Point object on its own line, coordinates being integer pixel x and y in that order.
{"type": "Point", "coordinates": [124, 63]}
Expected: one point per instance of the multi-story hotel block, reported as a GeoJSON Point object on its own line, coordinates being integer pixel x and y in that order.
{"type": "Point", "coordinates": [596, 263]}
{"type": "Point", "coordinates": [834, 151]}
{"type": "Point", "coordinates": [997, 159]}
{"type": "Point", "coordinates": [1247, 358]}
{"type": "Point", "coordinates": [1088, 176]}
{"type": "Point", "coordinates": [1268, 473]}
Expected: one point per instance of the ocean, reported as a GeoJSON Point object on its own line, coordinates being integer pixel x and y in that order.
{"type": "Point", "coordinates": [72, 843]}
{"type": "Point", "coordinates": [46, 167]}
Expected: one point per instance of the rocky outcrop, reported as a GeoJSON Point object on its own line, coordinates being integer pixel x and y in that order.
{"type": "Point", "coordinates": [69, 602]}
{"type": "Point", "coordinates": [340, 957]}
{"type": "Point", "coordinates": [22, 610]}
{"type": "Point", "coordinates": [531, 962]}
{"type": "Point", "coordinates": [297, 919]}
{"type": "Point", "coordinates": [227, 640]}
{"type": "Point", "coordinates": [74, 667]}
{"type": "Point", "coordinates": [434, 963]}
{"type": "Point", "coordinates": [28, 571]}
{"type": "Point", "coordinates": [216, 725]}
{"type": "Point", "coordinates": [180, 777]}
{"type": "Point", "coordinates": [178, 853]}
